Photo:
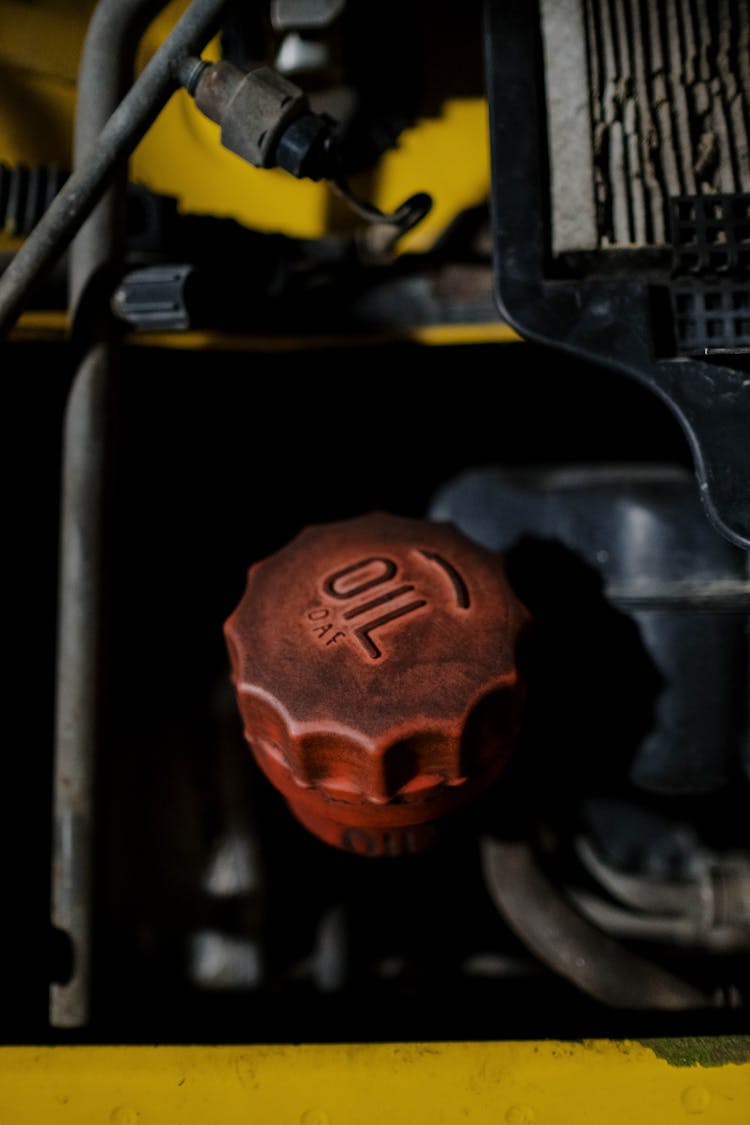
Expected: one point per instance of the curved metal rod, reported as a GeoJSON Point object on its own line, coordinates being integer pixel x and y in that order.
{"type": "Point", "coordinates": [124, 129]}
{"type": "Point", "coordinates": [659, 928]}
{"type": "Point", "coordinates": [568, 944]}
{"type": "Point", "coordinates": [105, 72]}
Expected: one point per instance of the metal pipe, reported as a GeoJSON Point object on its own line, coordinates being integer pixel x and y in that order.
{"type": "Point", "coordinates": [124, 129]}
{"type": "Point", "coordinates": [76, 713]}
{"type": "Point", "coordinates": [106, 69]}
{"type": "Point", "coordinates": [104, 76]}
{"type": "Point", "coordinates": [568, 944]}
{"type": "Point", "coordinates": [686, 900]}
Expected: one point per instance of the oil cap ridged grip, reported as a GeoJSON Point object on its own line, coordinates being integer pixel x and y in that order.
{"type": "Point", "coordinates": [374, 662]}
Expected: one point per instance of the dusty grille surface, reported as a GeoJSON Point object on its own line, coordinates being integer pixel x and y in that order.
{"type": "Point", "coordinates": [646, 101]}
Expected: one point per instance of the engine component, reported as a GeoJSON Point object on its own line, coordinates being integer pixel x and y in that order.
{"type": "Point", "coordinates": [253, 109]}
{"type": "Point", "coordinates": [641, 534]}
{"type": "Point", "coordinates": [267, 120]}
{"type": "Point", "coordinates": [623, 297]}
{"type": "Point", "coordinates": [203, 893]}
{"type": "Point", "coordinates": [375, 668]}
{"type": "Point", "coordinates": [154, 298]}
{"type": "Point", "coordinates": [569, 944]}
{"type": "Point", "coordinates": [710, 909]}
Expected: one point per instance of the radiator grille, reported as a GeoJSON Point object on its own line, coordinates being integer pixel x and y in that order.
{"type": "Point", "coordinates": [666, 87]}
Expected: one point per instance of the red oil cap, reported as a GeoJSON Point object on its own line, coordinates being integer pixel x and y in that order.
{"type": "Point", "coordinates": [375, 670]}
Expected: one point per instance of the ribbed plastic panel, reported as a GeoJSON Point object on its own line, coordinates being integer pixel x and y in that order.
{"type": "Point", "coordinates": [668, 93]}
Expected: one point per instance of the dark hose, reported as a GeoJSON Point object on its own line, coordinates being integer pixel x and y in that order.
{"type": "Point", "coordinates": [569, 945]}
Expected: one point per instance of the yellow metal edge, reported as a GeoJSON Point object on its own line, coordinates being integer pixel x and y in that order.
{"type": "Point", "coordinates": [434, 334]}
{"type": "Point", "coordinates": [53, 326]}
{"type": "Point", "coordinates": [40, 326]}
{"type": "Point", "coordinates": [516, 1083]}
{"type": "Point", "coordinates": [499, 333]}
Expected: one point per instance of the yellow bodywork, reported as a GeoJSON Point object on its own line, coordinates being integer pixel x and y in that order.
{"type": "Point", "coordinates": [544, 1083]}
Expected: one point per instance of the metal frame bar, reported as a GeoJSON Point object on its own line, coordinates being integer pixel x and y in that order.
{"type": "Point", "coordinates": [107, 129]}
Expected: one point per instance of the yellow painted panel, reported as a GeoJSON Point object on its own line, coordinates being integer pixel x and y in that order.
{"type": "Point", "coordinates": [181, 156]}
{"type": "Point", "coordinates": [447, 156]}
{"type": "Point", "coordinates": [36, 118]}
{"type": "Point", "coordinates": [543, 1083]}
{"type": "Point", "coordinates": [44, 37]}
{"type": "Point", "coordinates": [40, 44]}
